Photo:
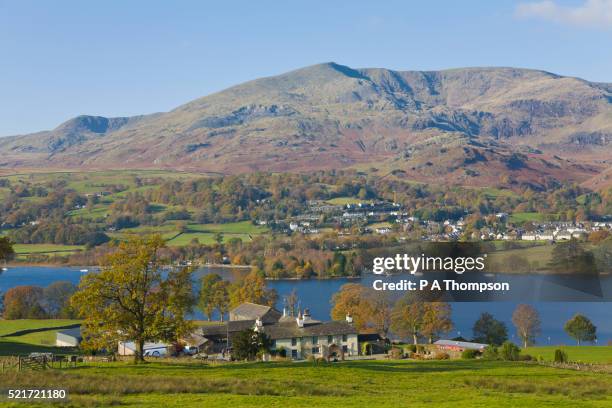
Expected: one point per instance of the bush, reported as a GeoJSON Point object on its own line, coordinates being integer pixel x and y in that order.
{"type": "Point", "coordinates": [509, 351]}
{"type": "Point", "coordinates": [420, 349]}
{"type": "Point", "coordinates": [526, 357]}
{"type": "Point", "coordinates": [396, 353]}
{"type": "Point", "coordinates": [560, 356]}
{"type": "Point", "coordinates": [412, 348]}
{"type": "Point", "coordinates": [441, 356]}
{"type": "Point", "coordinates": [282, 352]}
{"type": "Point", "coordinates": [490, 353]}
{"type": "Point", "coordinates": [469, 354]}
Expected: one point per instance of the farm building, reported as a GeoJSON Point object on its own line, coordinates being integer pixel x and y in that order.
{"type": "Point", "coordinates": [459, 346]}
{"type": "Point", "coordinates": [68, 337]}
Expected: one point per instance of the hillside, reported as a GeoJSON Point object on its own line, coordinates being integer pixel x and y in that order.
{"type": "Point", "coordinates": [472, 126]}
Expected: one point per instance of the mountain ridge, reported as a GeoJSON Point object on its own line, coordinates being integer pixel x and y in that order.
{"type": "Point", "coordinates": [463, 125]}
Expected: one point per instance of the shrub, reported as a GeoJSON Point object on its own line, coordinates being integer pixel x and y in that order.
{"type": "Point", "coordinates": [560, 356]}
{"type": "Point", "coordinates": [412, 348]}
{"type": "Point", "coordinates": [441, 356]}
{"type": "Point", "coordinates": [282, 352]}
{"type": "Point", "coordinates": [469, 354]}
{"type": "Point", "coordinates": [420, 349]}
{"type": "Point", "coordinates": [509, 351]}
{"type": "Point", "coordinates": [396, 353]}
{"type": "Point", "coordinates": [490, 353]}
{"type": "Point", "coordinates": [526, 357]}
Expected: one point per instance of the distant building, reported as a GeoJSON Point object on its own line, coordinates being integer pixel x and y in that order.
{"type": "Point", "coordinates": [459, 346]}
{"type": "Point", "coordinates": [68, 338]}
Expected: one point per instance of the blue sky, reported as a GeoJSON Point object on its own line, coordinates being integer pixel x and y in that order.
{"type": "Point", "coordinates": [59, 59]}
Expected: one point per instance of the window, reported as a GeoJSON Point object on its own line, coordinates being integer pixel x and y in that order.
{"type": "Point", "coordinates": [294, 341]}
{"type": "Point", "coordinates": [273, 343]}
{"type": "Point", "coordinates": [330, 339]}
{"type": "Point", "coordinates": [345, 349]}
{"type": "Point", "coordinates": [315, 340]}
{"type": "Point", "coordinates": [344, 338]}
{"type": "Point", "coordinates": [315, 350]}
{"type": "Point", "coordinates": [294, 354]}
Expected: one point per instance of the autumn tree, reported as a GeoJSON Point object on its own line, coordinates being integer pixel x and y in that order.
{"type": "Point", "coordinates": [407, 319]}
{"type": "Point", "coordinates": [527, 322]}
{"type": "Point", "coordinates": [206, 295]}
{"type": "Point", "coordinates": [580, 328]}
{"type": "Point", "coordinates": [131, 299]}
{"type": "Point", "coordinates": [221, 297]}
{"type": "Point", "coordinates": [436, 319]}
{"type": "Point", "coordinates": [253, 289]}
{"type": "Point", "coordinates": [352, 299]}
{"type": "Point", "coordinates": [24, 302]}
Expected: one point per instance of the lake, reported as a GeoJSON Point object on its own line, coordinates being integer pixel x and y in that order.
{"type": "Point", "coordinates": [556, 298]}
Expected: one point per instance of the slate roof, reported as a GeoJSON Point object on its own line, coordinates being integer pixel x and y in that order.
{"type": "Point", "coordinates": [284, 330]}
{"type": "Point", "coordinates": [252, 311]}
{"type": "Point", "coordinates": [75, 333]}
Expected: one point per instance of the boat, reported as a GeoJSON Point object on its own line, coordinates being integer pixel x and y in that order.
{"type": "Point", "coordinates": [4, 269]}
{"type": "Point", "coordinates": [84, 270]}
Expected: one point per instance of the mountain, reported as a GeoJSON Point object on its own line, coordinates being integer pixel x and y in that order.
{"type": "Point", "coordinates": [472, 126]}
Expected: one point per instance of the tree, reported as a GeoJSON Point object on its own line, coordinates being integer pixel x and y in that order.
{"type": "Point", "coordinates": [352, 299]}
{"type": "Point", "coordinates": [206, 302]}
{"type": "Point", "coordinates": [252, 289]}
{"type": "Point", "coordinates": [527, 322]}
{"type": "Point", "coordinates": [489, 330]}
{"type": "Point", "coordinates": [436, 319]}
{"type": "Point", "coordinates": [7, 252]}
{"type": "Point", "coordinates": [248, 344]}
{"type": "Point", "coordinates": [24, 302]}
{"type": "Point", "coordinates": [57, 299]}
{"type": "Point", "coordinates": [570, 256]}
{"type": "Point", "coordinates": [221, 298]}
{"type": "Point", "coordinates": [407, 317]}
{"type": "Point", "coordinates": [580, 328]}
{"type": "Point", "coordinates": [131, 300]}
{"type": "Point", "coordinates": [291, 302]}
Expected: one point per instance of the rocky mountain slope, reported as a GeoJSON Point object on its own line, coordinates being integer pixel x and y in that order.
{"type": "Point", "coordinates": [472, 126]}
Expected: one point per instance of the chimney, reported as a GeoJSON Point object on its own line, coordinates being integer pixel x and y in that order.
{"type": "Point", "coordinates": [349, 318]}
{"type": "Point", "coordinates": [300, 320]}
{"type": "Point", "coordinates": [306, 315]}
{"type": "Point", "coordinates": [258, 325]}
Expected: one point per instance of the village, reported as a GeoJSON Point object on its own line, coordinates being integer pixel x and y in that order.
{"type": "Point", "coordinates": [382, 218]}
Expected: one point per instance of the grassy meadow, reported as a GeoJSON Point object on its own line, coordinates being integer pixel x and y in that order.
{"type": "Point", "coordinates": [583, 354]}
{"type": "Point", "coordinates": [398, 383]}
{"type": "Point", "coordinates": [41, 340]}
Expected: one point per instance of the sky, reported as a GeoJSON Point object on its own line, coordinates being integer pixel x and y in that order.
{"type": "Point", "coordinates": [60, 59]}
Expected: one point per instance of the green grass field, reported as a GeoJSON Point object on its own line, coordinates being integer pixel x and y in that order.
{"type": "Point", "coordinates": [346, 384]}
{"type": "Point", "coordinates": [42, 341]}
{"type": "Point", "coordinates": [583, 354]}
{"type": "Point", "coordinates": [24, 249]}
{"type": "Point", "coordinates": [346, 200]}
{"type": "Point", "coordinates": [12, 326]}
{"type": "Point", "coordinates": [523, 217]}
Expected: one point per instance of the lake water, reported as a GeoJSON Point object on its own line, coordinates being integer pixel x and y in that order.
{"type": "Point", "coordinates": [556, 298]}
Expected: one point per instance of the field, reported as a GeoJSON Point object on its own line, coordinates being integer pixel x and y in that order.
{"type": "Point", "coordinates": [523, 217]}
{"type": "Point", "coordinates": [23, 250]}
{"type": "Point", "coordinates": [42, 340]}
{"type": "Point", "coordinates": [584, 354]}
{"type": "Point", "coordinates": [346, 384]}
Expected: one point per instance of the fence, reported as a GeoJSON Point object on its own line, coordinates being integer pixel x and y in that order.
{"type": "Point", "coordinates": [37, 362]}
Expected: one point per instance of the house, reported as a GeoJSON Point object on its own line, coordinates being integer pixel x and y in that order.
{"type": "Point", "coordinates": [252, 311]}
{"type": "Point", "coordinates": [68, 338]}
{"type": "Point", "coordinates": [300, 337]}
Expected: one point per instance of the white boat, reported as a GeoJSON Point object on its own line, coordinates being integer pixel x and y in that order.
{"type": "Point", "coordinates": [84, 270]}
{"type": "Point", "coordinates": [4, 269]}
